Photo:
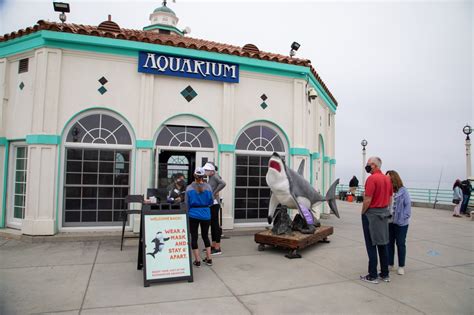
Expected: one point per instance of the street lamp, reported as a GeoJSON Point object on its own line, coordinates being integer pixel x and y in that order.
{"type": "Point", "coordinates": [467, 130]}
{"type": "Point", "coordinates": [364, 144]}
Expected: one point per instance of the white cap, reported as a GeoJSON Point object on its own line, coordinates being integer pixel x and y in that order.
{"type": "Point", "coordinates": [199, 171]}
{"type": "Point", "coordinates": [209, 167]}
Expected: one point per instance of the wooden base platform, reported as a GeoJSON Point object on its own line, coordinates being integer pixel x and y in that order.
{"type": "Point", "coordinates": [293, 241]}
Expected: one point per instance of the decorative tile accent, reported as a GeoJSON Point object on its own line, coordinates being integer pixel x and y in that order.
{"type": "Point", "coordinates": [103, 80]}
{"type": "Point", "coordinates": [188, 93]}
{"type": "Point", "coordinates": [263, 97]}
{"type": "Point", "coordinates": [21, 86]}
{"type": "Point", "coordinates": [263, 105]}
{"type": "Point", "coordinates": [102, 90]}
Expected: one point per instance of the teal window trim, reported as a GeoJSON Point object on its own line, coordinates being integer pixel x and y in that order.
{"type": "Point", "coordinates": [144, 144]}
{"type": "Point", "coordinates": [163, 27]}
{"type": "Point", "coordinates": [130, 48]}
{"type": "Point", "coordinates": [226, 147]}
{"type": "Point", "coordinates": [311, 167]}
{"type": "Point", "coordinates": [58, 181]}
{"type": "Point", "coordinates": [43, 139]}
{"type": "Point", "coordinates": [299, 151]}
{"type": "Point", "coordinates": [315, 155]}
{"type": "Point", "coordinates": [3, 142]}
{"type": "Point", "coordinates": [5, 186]}
{"type": "Point", "coordinates": [326, 159]}
{"type": "Point", "coordinates": [332, 161]}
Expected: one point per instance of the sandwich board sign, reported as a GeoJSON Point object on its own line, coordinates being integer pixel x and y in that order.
{"type": "Point", "coordinates": [166, 249]}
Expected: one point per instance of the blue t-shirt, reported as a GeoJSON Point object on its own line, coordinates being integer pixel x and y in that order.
{"type": "Point", "coordinates": [198, 203]}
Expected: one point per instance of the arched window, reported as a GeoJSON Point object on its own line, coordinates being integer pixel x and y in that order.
{"type": "Point", "coordinates": [178, 164]}
{"type": "Point", "coordinates": [254, 147]}
{"type": "Point", "coordinates": [184, 136]}
{"type": "Point", "coordinates": [260, 138]}
{"type": "Point", "coordinates": [98, 151]}
{"type": "Point", "coordinates": [99, 129]}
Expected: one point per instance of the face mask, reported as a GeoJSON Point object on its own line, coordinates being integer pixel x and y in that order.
{"type": "Point", "coordinates": [368, 168]}
{"type": "Point", "coordinates": [180, 182]}
{"type": "Point", "coordinates": [199, 180]}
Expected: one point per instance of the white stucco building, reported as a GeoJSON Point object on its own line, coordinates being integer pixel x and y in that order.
{"type": "Point", "coordinates": [85, 121]}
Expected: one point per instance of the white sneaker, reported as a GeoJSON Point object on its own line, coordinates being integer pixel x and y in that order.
{"type": "Point", "coordinates": [401, 271]}
{"type": "Point", "coordinates": [391, 267]}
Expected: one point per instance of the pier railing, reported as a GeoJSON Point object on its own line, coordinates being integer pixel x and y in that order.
{"type": "Point", "coordinates": [443, 196]}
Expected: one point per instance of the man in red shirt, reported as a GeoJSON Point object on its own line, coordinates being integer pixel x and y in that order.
{"type": "Point", "coordinates": [375, 215]}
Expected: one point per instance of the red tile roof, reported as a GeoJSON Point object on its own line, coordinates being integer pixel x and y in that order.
{"type": "Point", "coordinates": [110, 31]}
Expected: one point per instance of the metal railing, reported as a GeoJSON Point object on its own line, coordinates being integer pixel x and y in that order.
{"type": "Point", "coordinates": [443, 196]}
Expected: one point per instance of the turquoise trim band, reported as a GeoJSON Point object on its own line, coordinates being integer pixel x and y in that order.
{"type": "Point", "coordinates": [3, 141]}
{"type": "Point", "coordinates": [163, 27]}
{"type": "Point", "coordinates": [144, 144]}
{"type": "Point", "coordinates": [226, 148]}
{"type": "Point", "coordinates": [332, 161]}
{"type": "Point", "coordinates": [130, 48]}
{"type": "Point", "coordinates": [43, 139]}
{"type": "Point", "coordinates": [315, 155]}
{"type": "Point", "coordinates": [326, 159]}
{"type": "Point", "coordinates": [299, 151]}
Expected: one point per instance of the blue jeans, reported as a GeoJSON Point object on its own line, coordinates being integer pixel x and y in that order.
{"type": "Point", "coordinates": [372, 252]}
{"type": "Point", "coordinates": [398, 235]}
{"type": "Point", "coordinates": [465, 202]}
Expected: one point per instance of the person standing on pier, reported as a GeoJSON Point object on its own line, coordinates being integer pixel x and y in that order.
{"type": "Point", "coordinates": [457, 198]}
{"type": "Point", "coordinates": [353, 184]}
{"type": "Point", "coordinates": [466, 188]}
{"type": "Point", "coordinates": [399, 227]}
{"type": "Point", "coordinates": [375, 215]}
{"type": "Point", "coordinates": [217, 184]}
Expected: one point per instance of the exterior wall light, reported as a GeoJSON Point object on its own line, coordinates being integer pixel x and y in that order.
{"type": "Point", "coordinates": [294, 47]}
{"type": "Point", "coordinates": [63, 8]}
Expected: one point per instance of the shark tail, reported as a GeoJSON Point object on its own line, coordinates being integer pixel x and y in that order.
{"type": "Point", "coordinates": [151, 254]}
{"type": "Point", "coordinates": [331, 198]}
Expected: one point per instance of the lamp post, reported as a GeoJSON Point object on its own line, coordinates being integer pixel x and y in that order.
{"type": "Point", "coordinates": [364, 144]}
{"type": "Point", "coordinates": [467, 130]}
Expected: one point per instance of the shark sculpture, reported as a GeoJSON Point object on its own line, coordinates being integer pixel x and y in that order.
{"type": "Point", "coordinates": [290, 189]}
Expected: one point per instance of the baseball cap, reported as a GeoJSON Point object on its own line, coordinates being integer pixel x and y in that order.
{"type": "Point", "coordinates": [209, 167]}
{"type": "Point", "coordinates": [199, 171]}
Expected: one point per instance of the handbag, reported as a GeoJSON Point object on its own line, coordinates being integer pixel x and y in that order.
{"type": "Point", "coordinates": [456, 201]}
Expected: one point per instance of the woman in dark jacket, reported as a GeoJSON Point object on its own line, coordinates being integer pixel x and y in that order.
{"type": "Point", "coordinates": [399, 227]}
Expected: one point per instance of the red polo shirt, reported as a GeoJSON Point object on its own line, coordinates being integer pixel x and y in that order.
{"type": "Point", "coordinates": [379, 187]}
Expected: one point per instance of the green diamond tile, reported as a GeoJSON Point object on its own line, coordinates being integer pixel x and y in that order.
{"type": "Point", "coordinates": [263, 105]}
{"type": "Point", "coordinates": [22, 85]}
{"type": "Point", "coordinates": [102, 90]}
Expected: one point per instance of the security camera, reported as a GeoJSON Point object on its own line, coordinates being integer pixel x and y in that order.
{"type": "Point", "coordinates": [187, 30]}
{"type": "Point", "coordinates": [312, 94]}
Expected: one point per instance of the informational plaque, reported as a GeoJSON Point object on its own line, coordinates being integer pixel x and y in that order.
{"type": "Point", "coordinates": [166, 246]}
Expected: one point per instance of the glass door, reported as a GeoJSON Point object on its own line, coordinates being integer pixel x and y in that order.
{"type": "Point", "coordinates": [17, 191]}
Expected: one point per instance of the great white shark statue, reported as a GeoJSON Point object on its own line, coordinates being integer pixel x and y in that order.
{"type": "Point", "coordinates": [291, 189]}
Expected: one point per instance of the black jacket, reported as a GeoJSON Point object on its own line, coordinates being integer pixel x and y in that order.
{"type": "Point", "coordinates": [354, 182]}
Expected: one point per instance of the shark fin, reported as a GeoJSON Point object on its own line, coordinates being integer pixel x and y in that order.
{"type": "Point", "coordinates": [301, 168]}
{"type": "Point", "coordinates": [331, 197]}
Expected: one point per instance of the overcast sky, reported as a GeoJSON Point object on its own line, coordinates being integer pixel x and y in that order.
{"type": "Point", "coordinates": [402, 72]}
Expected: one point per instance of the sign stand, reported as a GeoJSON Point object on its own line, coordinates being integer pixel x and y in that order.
{"type": "Point", "coordinates": [164, 250]}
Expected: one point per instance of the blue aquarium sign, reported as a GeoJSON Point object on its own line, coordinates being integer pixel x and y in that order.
{"type": "Point", "coordinates": [156, 63]}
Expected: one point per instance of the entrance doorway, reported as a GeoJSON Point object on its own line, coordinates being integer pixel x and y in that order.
{"type": "Point", "coordinates": [171, 162]}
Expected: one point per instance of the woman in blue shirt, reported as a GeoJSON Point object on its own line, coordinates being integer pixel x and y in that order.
{"type": "Point", "coordinates": [399, 227]}
{"type": "Point", "coordinates": [198, 199]}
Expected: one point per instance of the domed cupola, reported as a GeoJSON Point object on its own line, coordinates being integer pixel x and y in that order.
{"type": "Point", "coordinates": [163, 20]}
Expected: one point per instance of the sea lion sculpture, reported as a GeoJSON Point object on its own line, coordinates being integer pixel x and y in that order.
{"type": "Point", "coordinates": [290, 189]}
